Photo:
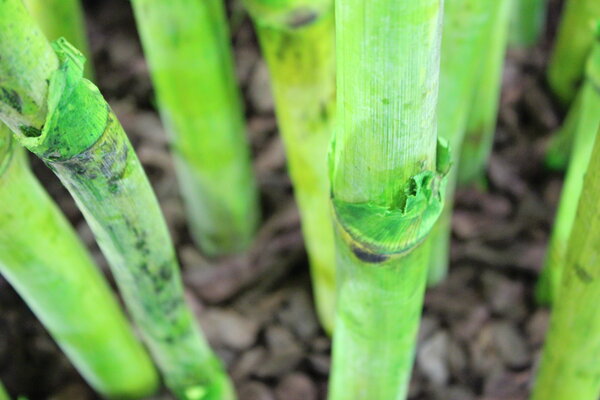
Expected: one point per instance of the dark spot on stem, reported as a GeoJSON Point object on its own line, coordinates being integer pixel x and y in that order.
{"type": "Point", "coordinates": [12, 98]}
{"type": "Point", "coordinates": [301, 17]}
{"type": "Point", "coordinates": [30, 131]}
{"type": "Point", "coordinates": [582, 274]}
{"type": "Point", "coordinates": [368, 257]}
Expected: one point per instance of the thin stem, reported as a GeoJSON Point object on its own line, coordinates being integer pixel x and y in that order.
{"type": "Point", "coordinates": [574, 41]}
{"type": "Point", "coordinates": [187, 46]}
{"type": "Point", "coordinates": [586, 128]}
{"type": "Point", "coordinates": [466, 23]}
{"type": "Point", "coordinates": [84, 144]}
{"type": "Point", "coordinates": [481, 122]}
{"type": "Point", "coordinates": [62, 18]}
{"type": "Point", "coordinates": [386, 189]}
{"type": "Point", "coordinates": [43, 259]}
{"type": "Point", "coordinates": [301, 58]}
{"type": "Point", "coordinates": [569, 368]}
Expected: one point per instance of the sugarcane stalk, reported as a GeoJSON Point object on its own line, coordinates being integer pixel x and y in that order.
{"type": "Point", "coordinates": [588, 119]}
{"type": "Point", "coordinates": [297, 40]}
{"type": "Point", "coordinates": [527, 21]}
{"type": "Point", "coordinates": [560, 146]}
{"type": "Point", "coordinates": [42, 258]}
{"type": "Point", "coordinates": [86, 147]}
{"type": "Point", "coordinates": [465, 25]}
{"type": "Point", "coordinates": [569, 367]}
{"type": "Point", "coordinates": [62, 18]}
{"type": "Point", "coordinates": [572, 46]}
{"type": "Point", "coordinates": [481, 120]}
{"type": "Point", "coordinates": [387, 186]}
{"type": "Point", "coordinates": [187, 46]}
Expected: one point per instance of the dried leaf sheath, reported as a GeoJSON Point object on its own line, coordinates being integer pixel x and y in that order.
{"type": "Point", "coordinates": [301, 58]}
{"type": "Point", "coordinates": [383, 170]}
{"type": "Point", "coordinates": [569, 366]}
{"type": "Point", "coordinates": [187, 45]}
{"type": "Point", "coordinates": [42, 258]}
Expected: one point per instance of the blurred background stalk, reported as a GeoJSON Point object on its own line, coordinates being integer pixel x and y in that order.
{"type": "Point", "coordinates": [297, 40]}
{"type": "Point", "coordinates": [63, 18]}
{"type": "Point", "coordinates": [527, 20]}
{"type": "Point", "coordinates": [569, 367]}
{"type": "Point", "coordinates": [188, 49]}
{"type": "Point", "coordinates": [587, 114]}
{"type": "Point", "coordinates": [464, 46]}
{"type": "Point", "coordinates": [571, 47]}
{"type": "Point", "coordinates": [483, 113]}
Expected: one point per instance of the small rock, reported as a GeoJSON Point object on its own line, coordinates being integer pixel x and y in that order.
{"type": "Point", "coordinates": [506, 296]}
{"type": "Point", "coordinates": [537, 327]}
{"type": "Point", "coordinates": [296, 387]}
{"type": "Point", "coordinates": [427, 327]}
{"type": "Point", "coordinates": [432, 358]}
{"type": "Point", "coordinates": [248, 362]}
{"type": "Point", "coordinates": [511, 345]}
{"type": "Point", "coordinates": [284, 353]}
{"type": "Point", "coordinates": [255, 391]}
{"type": "Point", "coordinates": [320, 363]}
{"type": "Point", "coordinates": [298, 315]}
{"type": "Point", "coordinates": [484, 357]}
{"type": "Point", "coordinates": [229, 328]}
{"type": "Point", "coordinates": [457, 358]}
{"type": "Point", "coordinates": [259, 89]}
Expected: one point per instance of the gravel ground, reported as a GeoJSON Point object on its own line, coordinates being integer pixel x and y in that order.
{"type": "Point", "coordinates": [481, 331]}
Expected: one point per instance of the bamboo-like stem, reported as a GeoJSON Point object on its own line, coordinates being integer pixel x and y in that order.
{"type": "Point", "coordinates": [569, 368]}
{"type": "Point", "coordinates": [301, 58]}
{"type": "Point", "coordinates": [84, 144]}
{"type": "Point", "coordinates": [574, 41]}
{"type": "Point", "coordinates": [527, 21]}
{"type": "Point", "coordinates": [481, 122]}
{"type": "Point", "coordinates": [187, 46]}
{"type": "Point", "coordinates": [386, 189]}
{"type": "Point", "coordinates": [588, 118]}
{"type": "Point", "coordinates": [62, 18]}
{"type": "Point", "coordinates": [465, 25]}
{"type": "Point", "coordinates": [561, 143]}
{"type": "Point", "coordinates": [42, 258]}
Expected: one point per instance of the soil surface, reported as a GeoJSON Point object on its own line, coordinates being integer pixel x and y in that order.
{"type": "Point", "coordinates": [481, 331]}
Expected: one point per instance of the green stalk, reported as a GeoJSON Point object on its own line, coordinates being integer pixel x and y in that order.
{"type": "Point", "coordinates": [84, 144]}
{"type": "Point", "coordinates": [588, 120]}
{"type": "Point", "coordinates": [42, 258]}
{"type": "Point", "coordinates": [297, 39]}
{"type": "Point", "coordinates": [560, 147]}
{"type": "Point", "coordinates": [574, 41]}
{"type": "Point", "coordinates": [526, 22]}
{"type": "Point", "coordinates": [387, 189]}
{"type": "Point", "coordinates": [569, 368]}
{"type": "Point", "coordinates": [481, 121]}
{"type": "Point", "coordinates": [466, 23]}
{"type": "Point", "coordinates": [62, 18]}
{"type": "Point", "coordinates": [187, 46]}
